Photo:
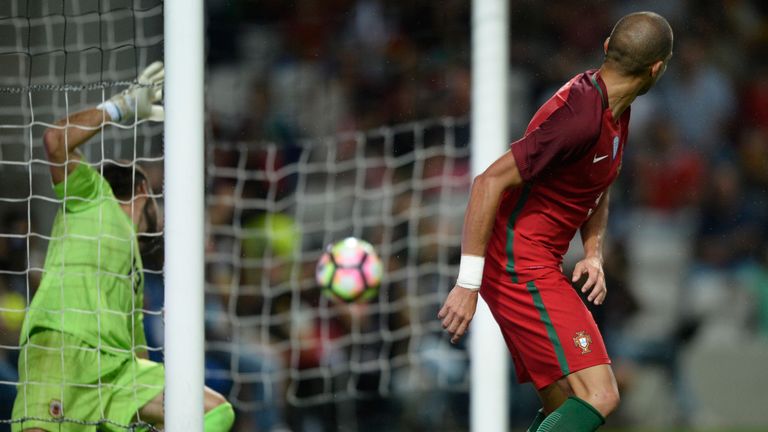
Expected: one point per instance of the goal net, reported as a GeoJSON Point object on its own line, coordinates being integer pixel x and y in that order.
{"type": "Point", "coordinates": [276, 347]}
{"type": "Point", "coordinates": [56, 58]}
{"type": "Point", "coordinates": [273, 336]}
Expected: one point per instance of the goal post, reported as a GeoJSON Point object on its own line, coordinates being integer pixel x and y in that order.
{"type": "Point", "coordinates": [184, 209]}
{"type": "Point", "coordinates": [489, 358]}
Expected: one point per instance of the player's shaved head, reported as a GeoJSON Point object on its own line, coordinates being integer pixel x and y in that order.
{"type": "Point", "coordinates": [638, 41]}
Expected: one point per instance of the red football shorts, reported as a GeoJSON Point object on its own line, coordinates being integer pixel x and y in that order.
{"type": "Point", "coordinates": [548, 329]}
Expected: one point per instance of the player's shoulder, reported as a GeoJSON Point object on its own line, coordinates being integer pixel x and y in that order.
{"type": "Point", "coordinates": [576, 107]}
{"type": "Point", "coordinates": [578, 101]}
{"type": "Point", "coordinates": [84, 188]}
{"type": "Point", "coordinates": [583, 94]}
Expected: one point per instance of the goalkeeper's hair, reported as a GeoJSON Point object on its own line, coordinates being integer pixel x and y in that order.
{"type": "Point", "coordinates": [124, 178]}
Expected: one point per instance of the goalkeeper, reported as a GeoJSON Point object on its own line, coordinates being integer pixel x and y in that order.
{"type": "Point", "coordinates": [82, 365]}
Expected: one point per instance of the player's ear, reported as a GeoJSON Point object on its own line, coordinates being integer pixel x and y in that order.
{"type": "Point", "coordinates": [605, 45]}
{"type": "Point", "coordinates": [657, 68]}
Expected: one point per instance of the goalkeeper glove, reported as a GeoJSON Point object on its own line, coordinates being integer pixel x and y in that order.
{"type": "Point", "coordinates": [137, 102]}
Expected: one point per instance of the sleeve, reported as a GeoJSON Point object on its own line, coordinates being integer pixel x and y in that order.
{"type": "Point", "coordinates": [563, 136]}
{"type": "Point", "coordinates": [81, 188]}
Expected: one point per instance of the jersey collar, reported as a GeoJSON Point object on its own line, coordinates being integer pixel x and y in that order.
{"type": "Point", "coordinates": [599, 84]}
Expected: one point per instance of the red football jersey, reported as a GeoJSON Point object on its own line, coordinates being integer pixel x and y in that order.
{"type": "Point", "coordinates": [569, 156]}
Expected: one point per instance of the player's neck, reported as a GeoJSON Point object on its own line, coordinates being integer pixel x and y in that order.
{"type": "Point", "coordinates": [622, 90]}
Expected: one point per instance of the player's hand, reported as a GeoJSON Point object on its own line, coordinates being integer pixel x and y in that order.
{"type": "Point", "coordinates": [139, 101]}
{"type": "Point", "coordinates": [593, 268]}
{"type": "Point", "coordinates": [457, 311]}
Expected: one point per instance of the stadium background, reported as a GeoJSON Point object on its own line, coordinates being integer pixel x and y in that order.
{"type": "Point", "coordinates": [686, 318]}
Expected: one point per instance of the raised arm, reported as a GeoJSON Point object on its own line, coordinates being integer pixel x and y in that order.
{"type": "Point", "coordinates": [132, 105]}
{"type": "Point", "coordinates": [61, 142]}
{"type": "Point", "coordinates": [592, 235]}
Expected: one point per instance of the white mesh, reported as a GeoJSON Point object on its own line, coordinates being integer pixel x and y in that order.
{"type": "Point", "coordinates": [274, 338]}
{"type": "Point", "coordinates": [402, 188]}
{"type": "Point", "coordinates": [56, 58]}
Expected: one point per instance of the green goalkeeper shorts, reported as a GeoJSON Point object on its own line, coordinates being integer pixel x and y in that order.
{"type": "Point", "coordinates": [79, 388]}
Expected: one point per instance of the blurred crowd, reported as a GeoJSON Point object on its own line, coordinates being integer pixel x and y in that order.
{"type": "Point", "coordinates": [687, 255]}
{"type": "Point", "coordinates": [687, 251]}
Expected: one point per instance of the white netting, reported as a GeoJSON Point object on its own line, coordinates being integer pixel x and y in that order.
{"type": "Point", "coordinates": [271, 210]}
{"type": "Point", "coordinates": [57, 58]}
{"type": "Point", "coordinates": [275, 347]}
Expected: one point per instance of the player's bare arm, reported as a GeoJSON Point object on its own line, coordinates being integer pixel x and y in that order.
{"type": "Point", "coordinates": [484, 199]}
{"type": "Point", "coordinates": [592, 234]}
{"type": "Point", "coordinates": [459, 307]}
{"type": "Point", "coordinates": [138, 102]}
{"type": "Point", "coordinates": [62, 140]}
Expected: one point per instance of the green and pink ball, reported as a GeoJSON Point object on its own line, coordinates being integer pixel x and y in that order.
{"type": "Point", "coordinates": [350, 270]}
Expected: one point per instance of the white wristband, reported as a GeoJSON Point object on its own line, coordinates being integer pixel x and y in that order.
{"type": "Point", "coordinates": [112, 110]}
{"type": "Point", "coordinates": [471, 272]}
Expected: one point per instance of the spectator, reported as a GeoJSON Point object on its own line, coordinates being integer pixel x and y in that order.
{"type": "Point", "coordinates": [700, 98]}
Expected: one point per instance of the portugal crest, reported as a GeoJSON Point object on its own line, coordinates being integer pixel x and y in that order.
{"type": "Point", "coordinates": [583, 340]}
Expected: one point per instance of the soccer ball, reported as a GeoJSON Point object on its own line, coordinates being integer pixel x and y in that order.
{"type": "Point", "coordinates": [349, 270]}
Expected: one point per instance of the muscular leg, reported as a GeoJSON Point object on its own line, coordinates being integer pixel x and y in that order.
{"type": "Point", "coordinates": [219, 414]}
{"type": "Point", "coordinates": [152, 412]}
{"type": "Point", "coordinates": [595, 395]}
{"type": "Point", "coordinates": [553, 395]}
{"type": "Point", "coordinates": [597, 386]}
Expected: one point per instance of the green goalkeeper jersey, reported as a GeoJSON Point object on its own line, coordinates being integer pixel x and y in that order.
{"type": "Point", "coordinates": [92, 285]}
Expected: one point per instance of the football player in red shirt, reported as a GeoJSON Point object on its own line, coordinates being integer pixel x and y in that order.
{"type": "Point", "coordinates": [523, 212]}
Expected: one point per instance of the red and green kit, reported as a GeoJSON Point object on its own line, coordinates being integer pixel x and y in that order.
{"type": "Point", "coordinates": [569, 156]}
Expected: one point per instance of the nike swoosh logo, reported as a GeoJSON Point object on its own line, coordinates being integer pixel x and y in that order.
{"type": "Point", "coordinates": [598, 159]}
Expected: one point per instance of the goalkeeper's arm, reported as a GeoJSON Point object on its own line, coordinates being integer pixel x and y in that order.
{"type": "Point", "coordinates": [135, 103]}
